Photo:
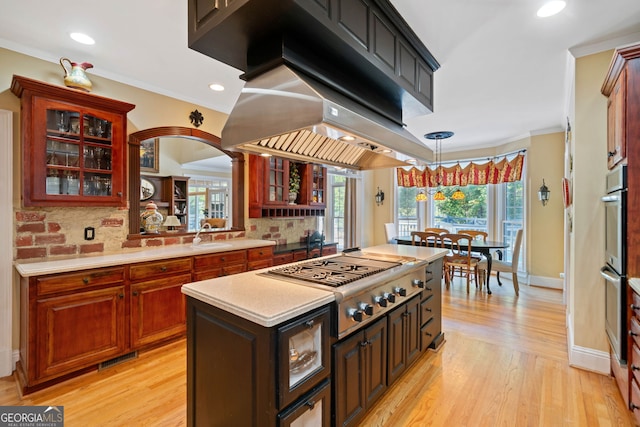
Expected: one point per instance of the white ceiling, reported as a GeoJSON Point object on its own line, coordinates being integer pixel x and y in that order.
{"type": "Point", "coordinates": [504, 72]}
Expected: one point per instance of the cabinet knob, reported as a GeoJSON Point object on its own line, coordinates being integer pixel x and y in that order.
{"type": "Point", "coordinates": [632, 334]}
{"type": "Point", "coordinates": [633, 406]}
{"type": "Point", "coordinates": [119, 193]}
{"type": "Point", "coordinates": [634, 307]}
{"type": "Point", "coordinates": [121, 296]}
{"type": "Point", "coordinates": [163, 268]}
{"type": "Point", "coordinates": [311, 404]}
{"type": "Point", "coordinates": [222, 259]}
{"type": "Point", "coordinates": [309, 324]}
{"type": "Point", "coordinates": [135, 293]}
{"type": "Point", "coordinates": [611, 153]}
{"type": "Point", "coordinates": [85, 280]}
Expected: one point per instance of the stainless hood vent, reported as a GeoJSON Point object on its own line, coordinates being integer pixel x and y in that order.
{"type": "Point", "coordinates": [285, 113]}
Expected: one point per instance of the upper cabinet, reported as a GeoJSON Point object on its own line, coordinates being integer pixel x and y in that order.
{"type": "Point", "coordinates": [73, 146]}
{"type": "Point", "coordinates": [616, 140]}
{"type": "Point", "coordinates": [269, 188]}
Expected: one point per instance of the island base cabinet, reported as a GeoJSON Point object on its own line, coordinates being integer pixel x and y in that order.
{"type": "Point", "coordinates": [235, 367]}
{"type": "Point", "coordinates": [404, 337]}
{"type": "Point", "coordinates": [78, 330]}
{"type": "Point", "coordinates": [360, 375]}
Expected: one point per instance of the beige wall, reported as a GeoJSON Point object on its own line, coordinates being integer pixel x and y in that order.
{"type": "Point", "coordinates": [587, 240]}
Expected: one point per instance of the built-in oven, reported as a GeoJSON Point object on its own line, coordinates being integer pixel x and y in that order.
{"type": "Point", "coordinates": [615, 268]}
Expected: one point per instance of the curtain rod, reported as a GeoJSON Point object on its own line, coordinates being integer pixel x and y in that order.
{"type": "Point", "coordinates": [453, 162]}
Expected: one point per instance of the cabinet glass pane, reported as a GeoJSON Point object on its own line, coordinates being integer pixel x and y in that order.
{"type": "Point", "coordinates": [97, 158]}
{"type": "Point", "coordinates": [62, 153]}
{"type": "Point", "coordinates": [305, 354]}
{"type": "Point", "coordinates": [96, 184]}
{"type": "Point", "coordinates": [96, 129]}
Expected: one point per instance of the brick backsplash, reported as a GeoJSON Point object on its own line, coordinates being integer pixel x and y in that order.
{"type": "Point", "coordinates": [58, 232]}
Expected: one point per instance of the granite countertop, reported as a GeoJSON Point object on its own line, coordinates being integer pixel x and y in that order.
{"type": "Point", "coordinates": [634, 282]}
{"type": "Point", "coordinates": [270, 301]}
{"type": "Point", "coordinates": [130, 256]}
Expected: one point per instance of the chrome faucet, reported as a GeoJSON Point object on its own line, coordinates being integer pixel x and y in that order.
{"type": "Point", "coordinates": [197, 239]}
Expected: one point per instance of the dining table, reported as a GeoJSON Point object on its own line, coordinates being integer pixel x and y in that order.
{"type": "Point", "coordinates": [481, 246]}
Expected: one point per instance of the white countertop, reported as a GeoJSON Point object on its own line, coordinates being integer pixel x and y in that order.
{"type": "Point", "coordinates": [129, 256]}
{"type": "Point", "coordinates": [269, 301]}
{"type": "Point", "coordinates": [634, 282]}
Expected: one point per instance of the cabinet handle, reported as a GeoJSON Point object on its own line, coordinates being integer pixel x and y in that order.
{"type": "Point", "coordinates": [634, 307]}
{"type": "Point", "coordinates": [121, 296]}
{"type": "Point", "coordinates": [364, 343]}
{"type": "Point", "coordinates": [612, 153]}
{"type": "Point", "coordinates": [222, 259]}
{"type": "Point", "coordinates": [135, 293]}
{"type": "Point", "coordinates": [85, 280]}
{"type": "Point", "coordinates": [633, 406]}
{"type": "Point", "coordinates": [309, 324]}
{"type": "Point", "coordinates": [311, 404]}
{"type": "Point", "coordinates": [632, 334]}
{"type": "Point", "coordinates": [428, 288]}
{"type": "Point", "coordinates": [163, 268]}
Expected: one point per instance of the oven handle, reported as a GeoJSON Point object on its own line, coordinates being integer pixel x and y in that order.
{"type": "Point", "coordinates": [608, 275]}
{"type": "Point", "coordinates": [610, 198]}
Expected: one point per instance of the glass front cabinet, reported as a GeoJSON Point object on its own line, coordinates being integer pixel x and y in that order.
{"type": "Point", "coordinates": [73, 146]}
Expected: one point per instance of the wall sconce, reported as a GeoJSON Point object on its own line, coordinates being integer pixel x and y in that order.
{"type": "Point", "coordinates": [379, 197]}
{"type": "Point", "coordinates": [543, 193]}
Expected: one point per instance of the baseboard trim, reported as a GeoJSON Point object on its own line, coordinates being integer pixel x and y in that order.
{"type": "Point", "coordinates": [586, 358]}
{"type": "Point", "coordinates": [546, 282]}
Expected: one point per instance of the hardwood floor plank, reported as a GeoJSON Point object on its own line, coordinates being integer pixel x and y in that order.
{"type": "Point", "coordinates": [504, 363]}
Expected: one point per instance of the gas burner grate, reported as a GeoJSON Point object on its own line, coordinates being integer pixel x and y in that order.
{"type": "Point", "coordinates": [334, 271]}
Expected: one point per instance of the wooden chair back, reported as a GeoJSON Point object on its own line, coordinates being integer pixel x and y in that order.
{"type": "Point", "coordinates": [427, 238]}
{"type": "Point", "coordinates": [459, 257]}
{"type": "Point", "coordinates": [476, 234]}
{"type": "Point", "coordinates": [436, 230]}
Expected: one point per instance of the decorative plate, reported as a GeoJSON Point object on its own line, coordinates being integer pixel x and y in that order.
{"type": "Point", "coordinates": [147, 189]}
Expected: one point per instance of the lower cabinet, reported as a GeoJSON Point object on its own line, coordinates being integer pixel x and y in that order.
{"type": "Point", "coordinates": [78, 330]}
{"type": "Point", "coordinates": [240, 373]}
{"type": "Point", "coordinates": [404, 337]}
{"type": "Point", "coordinates": [634, 356]}
{"type": "Point", "coordinates": [215, 265]}
{"type": "Point", "coordinates": [258, 258]}
{"type": "Point", "coordinates": [360, 372]}
{"type": "Point", "coordinates": [431, 308]}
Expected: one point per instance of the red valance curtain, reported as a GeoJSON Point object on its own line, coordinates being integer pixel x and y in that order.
{"type": "Point", "coordinates": [492, 172]}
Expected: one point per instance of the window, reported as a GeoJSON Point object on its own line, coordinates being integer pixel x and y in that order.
{"type": "Point", "coordinates": [467, 214]}
{"type": "Point", "coordinates": [334, 227]}
{"type": "Point", "coordinates": [407, 211]}
{"type": "Point", "coordinates": [513, 218]}
{"type": "Point", "coordinates": [208, 198]}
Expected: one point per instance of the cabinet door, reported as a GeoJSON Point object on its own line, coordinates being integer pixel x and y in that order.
{"type": "Point", "coordinates": [397, 344]}
{"type": "Point", "coordinates": [78, 330]}
{"type": "Point", "coordinates": [616, 122]}
{"type": "Point", "coordinates": [158, 310]}
{"type": "Point", "coordinates": [276, 181]}
{"type": "Point", "coordinates": [412, 320]}
{"type": "Point", "coordinates": [349, 380]}
{"type": "Point", "coordinates": [375, 354]}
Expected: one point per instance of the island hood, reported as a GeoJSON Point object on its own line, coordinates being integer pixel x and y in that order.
{"type": "Point", "coordinates": [286, 113]}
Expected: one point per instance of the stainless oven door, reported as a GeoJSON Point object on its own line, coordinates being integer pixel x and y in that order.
{"type": "Point", "coordinates": [615, 304]}
{"type": "Point", "coordinates": [614, 230]}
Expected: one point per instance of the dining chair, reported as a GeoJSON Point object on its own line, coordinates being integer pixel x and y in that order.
{"type": "Point", "coordinates": [459, 258]}
{"type": "Point", "coordinates": [429, 238]}
{"type": "Point", "coordinates": [504, 266]}
{"type": "Point", "coordinates": [390, 231]}
{"type": "Point", "coordinates": [476, 235]}
{"type": "Point", "coordinates": [437, 230]}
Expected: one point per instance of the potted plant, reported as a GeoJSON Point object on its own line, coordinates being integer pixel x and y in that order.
{"type": "Point", "coordinates": [294, 183]}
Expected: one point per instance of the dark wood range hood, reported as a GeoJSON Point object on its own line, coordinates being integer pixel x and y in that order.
{"type": "Point", "coordinates": [361, 50]}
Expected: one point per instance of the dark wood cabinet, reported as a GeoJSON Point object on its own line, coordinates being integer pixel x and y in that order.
{"type": "Point", "coordinates": [73, 146]}
{"type": "Point", "coordinates": [269, 188]}
{"type": "Point", "coordinates": [251, 379]}
{"type": "Point", "coordinates": [616, 106]}
{"type": "Point", "coordinates": [431, 308]}
{"type": "Point", "coordinates": [219, 264]}
{"type": "Point", "coordinates": [360, 372]}
{"type": "Point", "coordinates": [404, 337]}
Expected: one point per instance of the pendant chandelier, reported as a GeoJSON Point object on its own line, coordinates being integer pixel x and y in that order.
{"type": "Point", "coordinates": [437, 193]}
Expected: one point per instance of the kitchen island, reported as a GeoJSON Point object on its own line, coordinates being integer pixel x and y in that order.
{"type": "Point", "coordinates": [265, 350]}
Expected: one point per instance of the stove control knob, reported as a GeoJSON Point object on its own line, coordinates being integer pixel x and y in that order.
{"type": "Point", "coordinates": [356, 315]}
{"type": "Point", "coordinates": [381, 301]}
{"type": "Point", "coordinates": [366, 308]}
{"type": "Point", "coordinates": [400, 291]}
{"type": "Point", "coordinates": [390, 297]}
{"type": "Point", "coordinates": [417, 282]}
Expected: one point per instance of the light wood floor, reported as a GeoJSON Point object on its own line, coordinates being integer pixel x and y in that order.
{"type": "Point", "coordinates": [504, 363]}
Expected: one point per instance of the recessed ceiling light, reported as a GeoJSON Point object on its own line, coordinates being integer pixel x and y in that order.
{"type": "Point", "coordinates": [217, 87]}
{"type": "Point", "coordinates": [265, 154]}
{"type": "Point", "coordinates": [82, 38]}
{"type": "Point", "coordinates": [412, 161]}
{"type": "Point", "coordinates": [348, 138]}
{"type": "Point", "coordinates": [550, 8]}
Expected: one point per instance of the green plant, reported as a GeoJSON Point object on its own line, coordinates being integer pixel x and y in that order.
{"type": "Point", "coordinates": [294, 178]}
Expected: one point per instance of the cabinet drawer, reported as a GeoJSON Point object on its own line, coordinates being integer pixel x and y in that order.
{"type": "Point", "coordinates": [299, 255]}
{"type": "Point", "coordinates": [257, 265]}
{"type": "Point", "coordinates": [426, 309]}
{"type": "Point", "coordinates": [636, 303]}
{"type": "Point", "coordinates": [258, 254]}
{"type": "Point", "coordinates": [283, 258]}
{"type": "Point", "coordinates": [79, 280]}
{"type": "Point", "coordinates": [329, 250]}
{"type": "Point", "coordinates": [635, 331]}
{"type": "Point", "coordinates": [427, 334]}
{"type": "Point", "coordinates": [635, 362]}
{"type": "Point", "coordinates": [635, 400]}
{"type": "Point", "coordinates": [159, 268]}
{"type": "Point", "coordinates": [202, 262]}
